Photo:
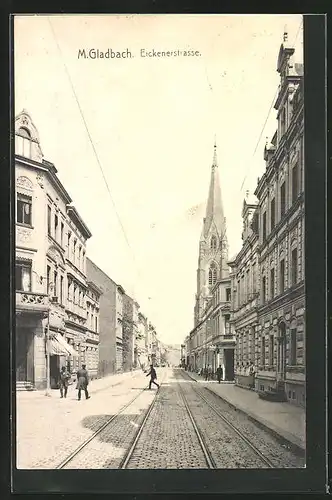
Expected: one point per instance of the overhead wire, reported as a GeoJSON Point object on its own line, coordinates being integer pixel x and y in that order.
{"type": "Point", "coordinates": [266, 119]}
{"type": "Point", "coordinates": [94, 150]}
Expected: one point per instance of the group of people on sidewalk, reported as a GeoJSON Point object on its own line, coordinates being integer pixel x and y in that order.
{"type": "Point", "coordinates": [208, 373]}
{"type": "Point", "coordinates": [81, 385]}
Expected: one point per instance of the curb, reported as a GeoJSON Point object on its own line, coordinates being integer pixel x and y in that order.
{"type": "Point", "coordinates": [291, 441]}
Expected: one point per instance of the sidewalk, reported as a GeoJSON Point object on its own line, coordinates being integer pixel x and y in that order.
{"type": "Point", "coordinates": [95, 385]}
{"type": "Point", "coordinates": [285, 419]}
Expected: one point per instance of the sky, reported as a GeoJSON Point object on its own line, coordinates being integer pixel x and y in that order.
{"type": "Point", "coordinates": [132, 138]}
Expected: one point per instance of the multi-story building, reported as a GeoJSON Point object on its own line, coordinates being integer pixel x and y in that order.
{"type": "Point", "coordinates": [245, 296]}
{"type": "Point", "coordinates": [211, 342]}
{"type": "Point", "coordinates": [141, 341]}
{"type": "Point", "coordinates": [136, 309]}
{"type": "Point", "coordinates": [107, 319]}
{"type": "Point", "coordinates": [268, 311]}
{"type": "Point", "coordinates": [119, 298]}
{"type": "Point", "coordinates": [128, 333]}
{"type": "Point", "coordinates": [51, 281]}
{"type": "Point", "coordinates": [92, 335]}
{"type": "Point", "coordinates": [280, 191]}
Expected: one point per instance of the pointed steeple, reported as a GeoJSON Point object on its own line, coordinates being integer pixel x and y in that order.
{"type": "Point", "coordinates": [214, 207]}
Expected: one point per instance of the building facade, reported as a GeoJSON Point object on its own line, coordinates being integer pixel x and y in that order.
{"type": "Point", "coordinates": [268, 309]}
{"type": "Point", "coordinates": [211, 342]}
{"type": "Point", "coordinates": [50, 274]}
{"type": "Point", "coordinates": [245, 296]}
{"type": "Point", "coordinates": [141, 341]}
{"type": "Point", "coordinates": [128, 333]}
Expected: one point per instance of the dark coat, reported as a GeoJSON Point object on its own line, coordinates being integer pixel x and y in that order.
{"type": "Point", "coordinates": [219, 372]}
{"type": "Point", "coordinates": [82, 379]}
{"type": "Point", "coordinates": [64, 378]}
{"type": "Point", "coordinates": [152, 374]}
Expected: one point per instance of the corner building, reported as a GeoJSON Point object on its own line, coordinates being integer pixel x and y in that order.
{"type": "Point", "coordinates": [50, 279]}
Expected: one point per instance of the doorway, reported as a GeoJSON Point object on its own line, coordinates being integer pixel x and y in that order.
{"type": "Point", "coordinates": [24, 355]}
{"type": "Point", "coordinates": [229, 364]}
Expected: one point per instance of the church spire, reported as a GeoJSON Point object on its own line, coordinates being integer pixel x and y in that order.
{"type": "Point", "coordinates": [214, 207]}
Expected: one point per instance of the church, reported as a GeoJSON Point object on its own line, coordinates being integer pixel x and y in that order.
{"type": "Point", "coordinates": [211, 343]}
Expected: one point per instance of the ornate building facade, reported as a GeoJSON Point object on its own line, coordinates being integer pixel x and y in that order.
{"type": "Point", "coordinates": [270, 322]}
{"type": "Point", "coordinates": [211, 343]}
{"type": "Point", "coordinates": [51, 285]}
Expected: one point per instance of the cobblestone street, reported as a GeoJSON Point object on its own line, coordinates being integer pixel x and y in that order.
{"type": "Point", "coordinates": [124, 425]}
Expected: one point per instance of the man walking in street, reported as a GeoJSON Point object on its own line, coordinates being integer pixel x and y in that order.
{"type": "Point", "coordinates": [153, 376]}
{"type": "Point", "coordinates": [219, 373]}
{"type": "Point", "coordinates": [82, 382]}
{"type": "Point", "coordinates": [64, 381]}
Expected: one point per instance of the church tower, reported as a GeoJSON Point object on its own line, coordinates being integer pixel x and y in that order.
{"type": "Point", "coordinates": [213, 246]}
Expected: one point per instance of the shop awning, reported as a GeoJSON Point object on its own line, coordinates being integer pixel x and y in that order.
{"type": "Point", "coordinates": [60, 347]}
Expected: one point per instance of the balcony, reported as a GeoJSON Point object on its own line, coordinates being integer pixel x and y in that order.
{"type": "Point", "coordinates": [32, 302]}
{"type": "Point", "coordinates": [227, 339]}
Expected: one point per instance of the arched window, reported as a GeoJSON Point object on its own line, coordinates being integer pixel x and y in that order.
{"type": "Point", "coordinates": [23, 132]}
{"type": "Point", "coordinates": [23, 142]}
{"type": "Point", "coordinates": [212, 274]}
{"type": "Point", "coordinates": [213, 243]}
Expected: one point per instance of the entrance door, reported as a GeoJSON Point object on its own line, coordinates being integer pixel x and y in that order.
{"type": "Point", "coordinates": [281, 353]}
{"type": "Point", "coordinates": [24, 345]}
{"type": "Point", "coordinates": [229, 364]}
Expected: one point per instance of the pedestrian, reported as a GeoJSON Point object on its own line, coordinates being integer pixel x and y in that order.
{"type": "Point", "coordinates": [206, 373]}
{"type": "Point", "coordinates": [153, 376]}
{"type": "Point", "coordinates": [82, 382]}
{"type": "Point", "coordinates": [209, 372]}
{"type": "Point", "coordinates": [219, 373]}
{"type": "Point", "coordinates": [64, 381]}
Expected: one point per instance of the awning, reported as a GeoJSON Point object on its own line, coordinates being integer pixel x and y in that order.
{"type": "Point", "coordinates": [60, 347]}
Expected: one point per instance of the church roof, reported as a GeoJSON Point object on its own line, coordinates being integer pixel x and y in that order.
{"type": "Point", "coordinates": [214, 207]}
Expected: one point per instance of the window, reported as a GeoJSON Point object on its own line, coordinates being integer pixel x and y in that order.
{"type": "Point", "coordinates": [212, 274]}
{"type": "Point", "coordinates": [282, 122]}
{"type": "Point", "coordinates": [238, 294]}
{"type": "Point", "coordinates": [23, 142]}
{"type": "Point", "coordinates": [254, 284]}
{"type": "Point", "coordinates": [69, 236]}
{"type": "Point", "coordinates": [48, 274]}
{"type": "Point", "coordinates": [83, 261]}
{"type": "Point", "coordinates": [68, 290]}
{"type": "Point", "coordinates": [75, 293]}
{"type": "Point", "coordinates": [96, 324]}
{"type": "Point", "coordinates": [61, 234]}
{"type": "Point", "coordinates": [23, 276]}
{"type": "Point", "coordinates": [264, 226]}
{"type": "Point", "coordinates": [263, 351]}
{"type": "Point", "coordinates": [79, 256]}
{"type": "Point", "coordinates": [247, 285]}
{"type": "Point", "coordinates": [74, 251]}
{"type": "Point", "coordinates": [49, 218]}
{"type": "Point", "coordinates": [55, 288]}
{"type": "Point", "coordinates": [282, 276]}
{"type": "Point", "coordinates": [292, 360]}
{"type": "Point", "coordinates": [272, 284]}
{"type": "Point", "coordinates": [271, 350]}
{"type": "Point", "coordinates": [24, 205]}
{"type": "Point", "coordinates": [294, 267]}
{"type": "Point", "coordinates": [56, 223]}
{"type": "Point", "coordinates": [273, 213]}
{"type": "Point", "coordinates": [61, 290]}
{"type": "Point", "coordinates": [213, 243]}
{"type": "Point", "coordinates": [263, 290]}
{"type": "Point", "coordinates": [295, 182]}
{"type": "Point", "coordinates": [228, 294]}
{"type": "Point", "coordinates": [88, 319]}
{"type": "Point", "coordinates": [282, 199]}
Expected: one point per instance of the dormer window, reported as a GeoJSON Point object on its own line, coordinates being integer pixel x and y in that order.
{"type": "Point", "coordinates": [23, 142]}
{"type": "Point", "coordinates": [213, 243]}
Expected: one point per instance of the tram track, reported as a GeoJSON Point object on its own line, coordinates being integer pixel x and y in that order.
{"type": "Point", "coordinates": [70, 458]}
{"type": "Point", "coordinates": [212, 464]}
